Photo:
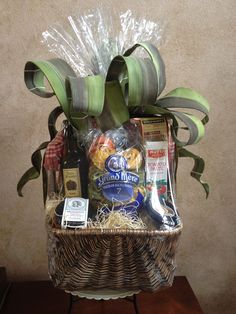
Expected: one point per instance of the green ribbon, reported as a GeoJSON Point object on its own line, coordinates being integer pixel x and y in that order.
{"type": "Point", "coordinates": [36, 158]}
{"type": "Point", "coordinates": [55, 71]}
{"type": "Point", "coordinates": [198, 168]}
{"type": "Point", "coordinates": [132, 87]}
{"type": "Point", "coordinates": [34, 171]}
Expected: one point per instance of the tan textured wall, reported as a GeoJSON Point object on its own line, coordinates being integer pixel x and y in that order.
{"type": "Point", "coordinates": [199, 53]}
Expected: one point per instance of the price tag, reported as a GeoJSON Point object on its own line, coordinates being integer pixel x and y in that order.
{"type": "Point", "coordinates": [75, 213]}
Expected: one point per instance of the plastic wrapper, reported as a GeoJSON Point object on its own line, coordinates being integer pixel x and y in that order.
{"type": "Point", "coordinates": [90, 41]}
{"type": "Point", "coordinates": [128, 171]}
{"type": "Point", "coordinates": [116, 172]}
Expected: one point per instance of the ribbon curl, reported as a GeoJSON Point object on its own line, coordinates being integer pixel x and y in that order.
{"type": "Point", "coordinates": [132, 86]}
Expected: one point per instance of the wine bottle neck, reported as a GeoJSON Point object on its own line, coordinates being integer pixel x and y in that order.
{"type": "Point", "coordinates": [70, 140]}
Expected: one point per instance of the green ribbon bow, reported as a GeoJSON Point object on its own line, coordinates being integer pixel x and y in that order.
{"type": "Point", "coordinates": [132, 87]}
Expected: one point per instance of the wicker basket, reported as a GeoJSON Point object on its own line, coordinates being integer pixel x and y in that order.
{"type": "Point", "coordinates": [112, 259]}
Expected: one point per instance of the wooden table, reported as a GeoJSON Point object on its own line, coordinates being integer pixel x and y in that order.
{"type": "Point", "coordinates": [40, 297]}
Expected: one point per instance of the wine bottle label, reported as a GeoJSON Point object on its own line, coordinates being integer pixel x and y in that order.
{"type": "Point", "coordinates": [72, 182]}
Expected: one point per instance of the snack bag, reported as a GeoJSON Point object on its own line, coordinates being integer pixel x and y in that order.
{"type": "Point", "coordinates": [116, 171]}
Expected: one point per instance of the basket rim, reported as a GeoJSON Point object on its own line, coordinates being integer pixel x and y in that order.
{"type": "Point", "coordinates": [117, 232]}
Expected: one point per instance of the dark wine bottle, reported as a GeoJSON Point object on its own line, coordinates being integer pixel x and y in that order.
{"type": "Point", "coordinates": [74, 166]}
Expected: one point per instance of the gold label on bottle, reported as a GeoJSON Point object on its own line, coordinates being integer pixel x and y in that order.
{"type": "Point", "coordinates": [72, 182]}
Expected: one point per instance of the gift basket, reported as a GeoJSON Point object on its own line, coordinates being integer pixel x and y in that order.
{"type": "Point", "coordinates": [109, 172]}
